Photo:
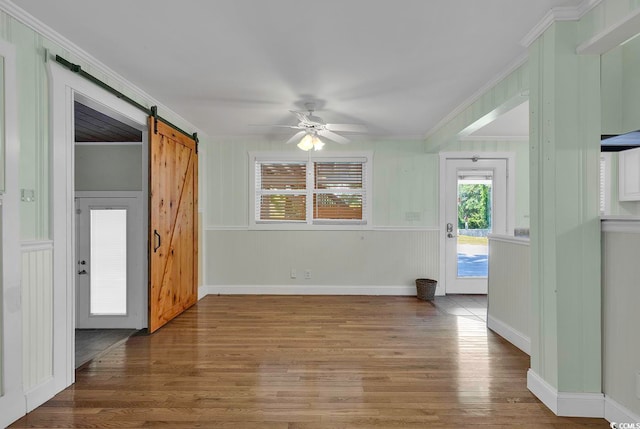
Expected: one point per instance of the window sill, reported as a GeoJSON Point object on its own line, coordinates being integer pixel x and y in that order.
{"type": "Point", "coordinates": [276, 226]}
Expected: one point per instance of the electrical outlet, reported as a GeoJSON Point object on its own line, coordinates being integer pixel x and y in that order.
{"type": "Point", "coordinates": [307, 274]}
{"type": "Point", "coordinates": [638, 385]}
{"type": "Point", "coordinates": [294, 274]}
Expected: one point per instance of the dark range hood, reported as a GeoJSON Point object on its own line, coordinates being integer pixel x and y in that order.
{"type": "Point", "coordinates": [616, 143]}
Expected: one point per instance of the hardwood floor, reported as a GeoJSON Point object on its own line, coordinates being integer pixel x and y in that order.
{"type": "Point", "coordinates": [308, 362]}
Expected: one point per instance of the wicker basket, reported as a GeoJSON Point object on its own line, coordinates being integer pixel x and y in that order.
{"type": "Point", "coordinates": [426, 289]}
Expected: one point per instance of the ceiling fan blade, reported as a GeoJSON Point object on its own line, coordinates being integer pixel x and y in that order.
{"type": "Point", "coordinates": [350, 128]}
{"type": "Point", "coordinates": [302, 117]}
{"type": "Point", "coordinates": [333, 136]}
{"type": "Point", "coordinates": [296, 136]}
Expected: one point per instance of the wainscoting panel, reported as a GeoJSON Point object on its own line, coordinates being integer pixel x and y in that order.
{"type": "Point", "coordinates": [509, 303]}
{"type": "Point", "coordinates": [37, 313]}
{"type": "Point", "coordinates": [620, 298]}
{"type": "Point", "coordinates": [320, 259]}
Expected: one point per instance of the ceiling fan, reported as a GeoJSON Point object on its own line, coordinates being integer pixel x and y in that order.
{"type": "Point", "coordinates": [312, 127]}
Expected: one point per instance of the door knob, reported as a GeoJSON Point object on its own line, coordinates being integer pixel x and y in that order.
{"type": "Point", "coordinates": [450, 235]}
{"type": "Point", "coordinates": [83, 272]}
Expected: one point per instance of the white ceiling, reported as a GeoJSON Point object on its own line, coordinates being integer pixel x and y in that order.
{"type": "Point", "coordinates": [397, 66]}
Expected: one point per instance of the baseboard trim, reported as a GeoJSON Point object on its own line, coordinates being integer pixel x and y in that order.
{"type": "Point", "coordinates": [202, 291]}
{"type": "Point", "coordinates": [40, 394]}
{"type": "Point", "coordinates": [510, 334]}
{"type": "Point", "coordinates": [12, 407]}
{"type": "Point", "coordinates": [364, 290]}
{"type": "Point", "coordinates": [614, 412]}
{"type": "Point", "coordinates": [566, 404]}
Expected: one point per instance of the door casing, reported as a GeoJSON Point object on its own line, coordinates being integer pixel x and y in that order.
{"type": "Point", "coordinates": [65, 86]}
{"type": "Point", "coordinates": [509, 157]}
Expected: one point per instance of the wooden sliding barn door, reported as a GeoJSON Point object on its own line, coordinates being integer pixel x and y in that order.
{"type": "Point", "coordinates": [173, 224]}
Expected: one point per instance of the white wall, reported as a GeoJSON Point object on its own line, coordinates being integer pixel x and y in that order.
{"type": "Point", "coordinates": [108, 167]}
{"type": "Point", "coordinates": [509, 300]}
{"type": "Point", "coordinates": [37, 295]}
{"type": "Point", "coordinates": [621, 318]}
{"type": "Point", "coordinates": [341, 262]}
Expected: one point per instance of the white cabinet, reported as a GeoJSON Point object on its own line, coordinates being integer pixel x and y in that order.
{"type": "Point", "coordinates": [629, 177]}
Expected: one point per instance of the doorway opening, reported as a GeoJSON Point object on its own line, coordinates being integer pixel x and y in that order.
{"type": "Point", "coordinates": [110, 179]}
{"type": "Point", "coordinates": [477, 200]}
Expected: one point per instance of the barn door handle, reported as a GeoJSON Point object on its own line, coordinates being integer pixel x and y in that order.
{"type": "Point", "coordinates": [155, 234]}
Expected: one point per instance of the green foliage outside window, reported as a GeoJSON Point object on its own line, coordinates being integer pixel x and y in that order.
{"type": "Point", "coordinates": [474, 206]}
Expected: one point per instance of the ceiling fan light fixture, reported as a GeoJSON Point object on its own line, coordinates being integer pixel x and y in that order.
{"type": "Point", "coordinates": [306, 143]}
{"type": "Point", "coordinates": [317, 143]}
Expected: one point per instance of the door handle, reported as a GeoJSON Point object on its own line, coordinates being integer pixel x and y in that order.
{"type": "Point", "coordinates": [83, 272]}
{"type": "Point", "coordinates": [450, 235]}
{"type": "Point", "coordinates": [156, 235]}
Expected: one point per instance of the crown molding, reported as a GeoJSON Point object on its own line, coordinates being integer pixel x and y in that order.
{"type": "Point", "coordinates": [518, 62]}
{"type": "Point", "coordinates": [41, 28]}
{"type": "Point", "coordinates": [558, 14]}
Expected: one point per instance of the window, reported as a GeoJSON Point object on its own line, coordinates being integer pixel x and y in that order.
{"type": "Point", "coordinates": [293, 189]}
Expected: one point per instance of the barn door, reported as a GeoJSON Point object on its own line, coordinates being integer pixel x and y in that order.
{"type": "Point", "coordinates": [173, 235]}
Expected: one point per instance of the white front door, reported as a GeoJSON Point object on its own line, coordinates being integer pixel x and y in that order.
{"type": "Point", "coordinates": [110, 277]}
{"type": "Point", "coordinates": [475, 205]}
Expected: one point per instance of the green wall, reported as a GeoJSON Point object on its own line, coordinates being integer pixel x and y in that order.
{"type": "Point", "coordinates": [405, 181]}
{"type": "Point", "coordinates": [33, 118]}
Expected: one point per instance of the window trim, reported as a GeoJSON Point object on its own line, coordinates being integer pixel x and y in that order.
{"type": "Point", "coordinates": [310, 157]}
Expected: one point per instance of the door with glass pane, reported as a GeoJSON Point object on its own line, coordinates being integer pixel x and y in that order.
{"type": "Point", "coordinates": [476, 206]}
{"type": "Point", "coordinates": [109, 278]}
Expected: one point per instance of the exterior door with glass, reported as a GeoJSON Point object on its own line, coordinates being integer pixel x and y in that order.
{"type": "Point", "coordinates": [110, 278]}
{"type": "Point", "coordinates": [475, 206]}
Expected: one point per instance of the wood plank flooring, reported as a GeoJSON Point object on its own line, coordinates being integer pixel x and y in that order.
{"type": "Point", "coordinates": [308, 362]}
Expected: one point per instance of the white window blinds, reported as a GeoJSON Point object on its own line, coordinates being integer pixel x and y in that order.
{"type": "Point", "coordinates": [323, 191]}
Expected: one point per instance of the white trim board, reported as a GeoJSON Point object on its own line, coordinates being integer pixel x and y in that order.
{"type": "Point", "coordinates": [612, 36]}
{"type": "Point", "coordinates": [621, 225]}
{"type": "Point", "coordinates": [34, 246]}
{"type": "Point", "coordinates": [361, 290]}
{"type": "Point", "coordinates": [566, 404]}
{"type": "Point", "coordinates": [510, 334]}
{"type": "Point", "coordinates": [12, 400]}
{"type": "Point", "coordinates": [373, 228]}
{"type": "Point", "coordinates": [64, 85]}
{"type": "Point", "coordinates": [614, 412]}
{"type": "Point", "coordinates": [567, 13]}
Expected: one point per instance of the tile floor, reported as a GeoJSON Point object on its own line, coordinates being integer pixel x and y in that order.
{"type": "Point", "coordinates": [470, 306]}
{"type": "Point", "coordinates": [91, 343]}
